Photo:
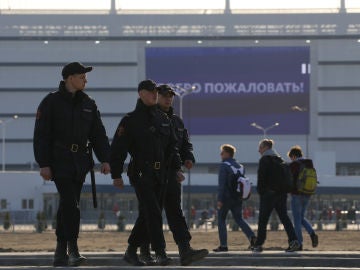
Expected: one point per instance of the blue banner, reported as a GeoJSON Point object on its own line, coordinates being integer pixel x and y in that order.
{"type": "Point", "coordinates": [236, 87]}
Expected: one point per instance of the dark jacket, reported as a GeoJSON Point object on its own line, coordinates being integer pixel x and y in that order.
{"type": "Point", "coordinates": [183, 142]}
{"type": "Point", "coordinates": [225, 178]}
{"type": "Point", "coordinates": [67, 122]}
{"type": "Point", "coordinates": [148, 136]}
{"type": "Point", "coordinates": [295, 169]}
{"type": "Point", "coordinates": [265, 180]}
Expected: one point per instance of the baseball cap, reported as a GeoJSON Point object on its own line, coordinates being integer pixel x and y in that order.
{"type": "Point", "coordinates": [165, 89]}
{"type": "Point", "coordinates": [148, 85]}
{"type": "Point", "coordinates": [74, 68]}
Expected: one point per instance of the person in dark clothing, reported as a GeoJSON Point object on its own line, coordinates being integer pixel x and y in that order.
{"type": "Point", "coordinates": [148, 136]}
{"type": "Point", "coordinates": [66, 121]}
{"type": "Point", "coordinates": [172, 202]}
{"type": "Point", "coordinates": [299, 201]}
{"type": "Point", "coordinates": [271, 199]}
{"type": "Point", "coordinates": [226, 201]}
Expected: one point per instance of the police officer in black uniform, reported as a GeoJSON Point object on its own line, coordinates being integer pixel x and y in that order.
{"type": "Point", "coordinates": [66, 121]}
{"type": "Point", "coordinates": [172, 202]}
{"type": "Point", "coordinates": [147, 135]}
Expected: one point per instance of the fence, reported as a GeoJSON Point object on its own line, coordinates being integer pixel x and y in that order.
{"type": "Point", "coordinates": [201, 219]}
{"type": "Point", "coordinates": [210, 224]}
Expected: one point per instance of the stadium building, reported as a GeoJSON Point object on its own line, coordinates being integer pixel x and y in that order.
{"type": "Point", "coordinates": [288, 74]}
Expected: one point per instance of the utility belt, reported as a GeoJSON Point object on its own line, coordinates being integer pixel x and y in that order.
{"type": "Point", "coordinates": [137, 168]}
{"type": "Point", "coordinates": [157, 165]}
{"type": "Point", "coordinates": [72, 147]}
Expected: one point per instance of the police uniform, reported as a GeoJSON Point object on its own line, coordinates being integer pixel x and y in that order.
{"type": "Point", "coordinates": [147, 135]}
{"type": "Point", "coordinates": [174, 213]}
{"type": "Point", "coordinates": [65, 123]}
{"type": "Point", "coordinates": [172, 202]}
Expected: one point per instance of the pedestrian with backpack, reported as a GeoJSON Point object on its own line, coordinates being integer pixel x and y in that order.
{"type": "Point", "coordinates": [230, 196]}
{"type": "Point", "coordinates": [305, 182]}
{"type": "Point", "coordinates": [272, 187]}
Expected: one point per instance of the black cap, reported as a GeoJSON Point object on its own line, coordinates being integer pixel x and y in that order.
{"type": "Point", "coordinates": [148, 85]}
{"type": "Point", "coordinates": [165, 89]}
{"type": "Point", "coordinates": [74, 68]}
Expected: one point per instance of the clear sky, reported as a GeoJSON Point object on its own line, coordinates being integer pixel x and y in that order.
{"type": "Point", "coordinates": [174, 4]}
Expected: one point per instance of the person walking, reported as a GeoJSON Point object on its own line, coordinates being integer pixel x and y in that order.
{"type": "Point", "coordinates": [172, 200]}
{"type": "Point", "coordinates": [148, 136]}
{"type": "Point", "coordinates": [66, 121]}
{"type": "Point", "coordinates": [271, 197]}
{"type": "Point", "coordinates": [299, 200]}
{"type": "Point", "coordinates": [227, 200]}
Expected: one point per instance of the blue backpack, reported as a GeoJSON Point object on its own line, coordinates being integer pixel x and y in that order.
{"type": "Point", "coordinates": [240, 185]}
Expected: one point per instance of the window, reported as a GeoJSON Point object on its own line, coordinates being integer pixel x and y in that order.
{"type": "Point", "coordinates": [3, 204]}
{"type": "Point", "coordinates": [24, 204]}
{"type": "Point", "coordinates": [31, 204]}
{"type": "Point", "coordinates": [27, 203]}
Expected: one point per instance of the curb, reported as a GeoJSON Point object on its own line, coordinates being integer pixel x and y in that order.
{"type": "Point", "coordinates": [267, 258]}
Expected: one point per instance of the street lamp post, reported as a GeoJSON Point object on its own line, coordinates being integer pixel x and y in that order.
{"type": "Point", "coordinates": [181, 93]}
{"type": "Point", "coordinates": [3, 124]}
{"type": "Point", "coordinates": [266, 129]}
{"type": "Point", "coordinates": [301, 110]}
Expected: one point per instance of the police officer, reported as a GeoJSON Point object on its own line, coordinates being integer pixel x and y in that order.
{"type": "Point", "coordinates": [147, 135]}
{"type": "Point", "coordinates": [66, 121]}
{"type": "Point", "coordinates": [172, 202]}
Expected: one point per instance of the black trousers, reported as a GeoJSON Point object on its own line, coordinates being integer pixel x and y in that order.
{"type": "Point", "coordinates": [68, 214]}
{"type": "Point", "coordinates": [148, 227]}
{"type": "Point", "coordinates": [268, 201]}
{"type": "Point", "coordinates": [174, 213]}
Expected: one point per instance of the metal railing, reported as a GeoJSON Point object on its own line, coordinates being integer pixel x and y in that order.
{"type": "Point", "coordinates": [205, 225]}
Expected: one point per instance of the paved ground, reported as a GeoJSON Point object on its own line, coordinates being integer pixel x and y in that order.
{"type": "Point", "coordinates": [97, 241]}
{"type": "Point", "coordinates": [231, 260]}
{"type": "Point", "coordinates": [337, 250]}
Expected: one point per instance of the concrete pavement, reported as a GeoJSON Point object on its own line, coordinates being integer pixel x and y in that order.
{"type": "Point", "coordinates": [230, 260]}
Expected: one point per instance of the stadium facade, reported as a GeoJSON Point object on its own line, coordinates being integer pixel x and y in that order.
{"type": "Point", "coordinates": [35, 45]}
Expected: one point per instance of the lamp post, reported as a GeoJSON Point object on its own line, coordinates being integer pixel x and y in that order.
{"type": "Point", "coordinates": [266, 129]}
{"type": "Point", "coordinates": [181, 93]}
{"type": "Point", "coordinates": [301, 110]}
{"type": "Point", "coordinates": [3, 124]}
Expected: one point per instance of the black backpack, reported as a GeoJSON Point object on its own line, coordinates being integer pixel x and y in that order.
{"type": "Point", "coordinates": [281, 179]}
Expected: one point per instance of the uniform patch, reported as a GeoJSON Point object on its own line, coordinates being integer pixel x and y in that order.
{"type": "Point", "coordinates": [120, 131]}
{"type": "Point", "coordinates": [87, 110]}
{"type": "Point", "coordinates": [38, 114]}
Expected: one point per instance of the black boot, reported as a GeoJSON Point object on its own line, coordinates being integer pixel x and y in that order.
{"type": "Point", "coordinates": [252, 242]}
{"type": "Point", "coordinates": [145, 255]}
{"type": "Point", "coordinates": [161, 258]}
{"type": "Point", "coordinates": [60, 258]}
{"type": "Point", "coordinates": [131, 257]}
{"type": "Point", "coordinates": [75, 259]}
{"type": "Point", "coordinates": [189, 255]}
